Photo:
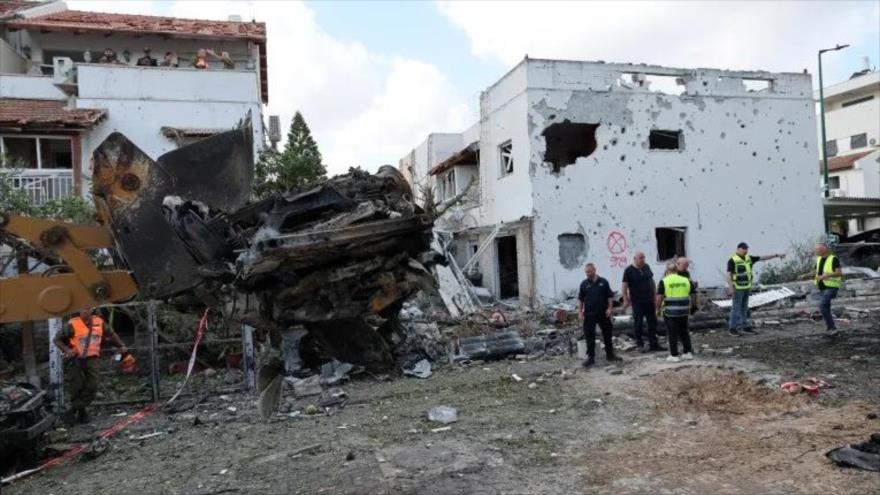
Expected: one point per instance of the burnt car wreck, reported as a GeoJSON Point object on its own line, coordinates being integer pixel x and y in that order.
{"type": "Point", "coordinates": [347, 251]}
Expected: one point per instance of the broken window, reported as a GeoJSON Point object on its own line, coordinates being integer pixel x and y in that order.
{"type": "Point", "coordinates": [568, 141]}
{"type": "Point", "coordinates": [572, 250]}
{"type": "Point", "coordinates": [665, 140]}
{"type": "Point", "coordinates": [757, 85]}
{"type": "Point", "coordinates": [670, 242]}
{"type": "Point", "coordinates": [831, 148]}
{"type": "Point", "coordinates": [858, 141]}
{"type": "Point", "coordinates": [505, 153]}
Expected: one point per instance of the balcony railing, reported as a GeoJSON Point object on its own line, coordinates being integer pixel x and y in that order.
{"type": "Point", "coordinates": [42, 186]}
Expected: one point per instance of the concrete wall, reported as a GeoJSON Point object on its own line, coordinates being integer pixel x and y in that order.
{"type": "Point", "coordinates": [141, 100]}
{"type": "Point", "coordinates": [503, 110]}
{"type": "Point", "coordinates": [29, 87]}
{"type": "Point", "coordinates": [746, 172]}
{"type": "Point", "coordinates": [10, 61]}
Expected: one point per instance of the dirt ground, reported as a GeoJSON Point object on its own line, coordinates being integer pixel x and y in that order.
{"type": "Point", "coordinates": [715, 425]}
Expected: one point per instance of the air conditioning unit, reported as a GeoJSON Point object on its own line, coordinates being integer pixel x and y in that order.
{"type": "Point", "coordinates": [837, 193]}
{"type": "Point", "coordinates": [62, 69]}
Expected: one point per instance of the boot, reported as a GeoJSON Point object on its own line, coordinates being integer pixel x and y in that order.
{"type": "Point", "coordinates": [82, 416]}
{"type": "Point", "coordinates": [589, 362]}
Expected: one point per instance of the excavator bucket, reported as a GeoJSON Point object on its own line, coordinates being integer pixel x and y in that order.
{"type": "Point", "coordinates": [134, 196]}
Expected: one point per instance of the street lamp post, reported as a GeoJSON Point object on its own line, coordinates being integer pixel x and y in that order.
{"type": "Point", "coordinates": [822, 118]}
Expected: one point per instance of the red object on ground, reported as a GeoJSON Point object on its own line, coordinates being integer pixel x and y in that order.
{"type": "Point", "coordinates": [233, 359]}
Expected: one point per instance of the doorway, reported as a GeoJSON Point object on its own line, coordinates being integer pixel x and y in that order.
{"type": "Point", "coordinates": [508, 279]}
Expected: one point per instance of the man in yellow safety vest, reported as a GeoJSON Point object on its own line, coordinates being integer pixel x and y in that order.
{"type": "Point", "coordinates": [676, 295]}
{"type": "Point", "coordinates": [828, 278]}
{"type": "Point", "coordinates": [739, 285]}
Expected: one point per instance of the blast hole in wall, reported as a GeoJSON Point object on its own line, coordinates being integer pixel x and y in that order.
{"type": "Point", "coordinates": [568, 141]}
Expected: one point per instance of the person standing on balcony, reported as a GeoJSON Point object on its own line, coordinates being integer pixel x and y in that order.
{"type": "Point", "coordinates": [200, 61]}
{"type": "Point", "coordinates": [146, 60]}
{"type": "Point", "coordinates": [168, 60]}
{"type": "Point", "coordinates": [224, 58]}
{"type": "Point", "coordinates": [109, 57]}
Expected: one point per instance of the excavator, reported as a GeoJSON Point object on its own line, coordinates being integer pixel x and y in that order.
{"type": "Point", "coordinates": [339, 257]}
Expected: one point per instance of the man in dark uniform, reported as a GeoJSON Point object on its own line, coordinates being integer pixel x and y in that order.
{"type": "Point", "coordinates": [81, 342]}
{"type": "Point", "coordinates": [638, 291]}
{"type": "Point", "coordinates": [595, 302]}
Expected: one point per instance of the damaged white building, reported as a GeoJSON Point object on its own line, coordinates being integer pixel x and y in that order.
{"type": "Point", "coordinates": [589, 161]}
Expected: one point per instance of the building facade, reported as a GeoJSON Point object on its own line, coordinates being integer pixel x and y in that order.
{"type": "Point", "coordinates": [584, 161]}
{"type": "Point", "coordinates": [852, 129]}
{"type": "Point", "coordinates": [58, 102]}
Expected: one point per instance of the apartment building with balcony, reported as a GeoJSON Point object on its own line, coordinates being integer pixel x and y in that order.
{"type": "Point", "coordinates": [852, 129]}
{"type": "Point", "coordinates": [58, 102]}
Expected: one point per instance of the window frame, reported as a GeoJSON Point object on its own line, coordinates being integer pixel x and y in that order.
{"type": "Point", "coordinates": [852, 138]}
{"type": "Point", "coordinates": [36, 137]}
{"type": "Point", "coordinates": [682, 230]}
{"type": "Point", "coordinates": [834, 152]}
{"type": "Point", "coordinates": [831, 179]}
{"type": "Point", "coordinates": [506, 164]}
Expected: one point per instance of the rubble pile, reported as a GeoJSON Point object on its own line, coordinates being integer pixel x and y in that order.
{"type": "Point", "coordinates": [325, 257]}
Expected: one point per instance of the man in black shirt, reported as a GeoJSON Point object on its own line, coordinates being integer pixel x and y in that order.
{"type": "Point", "coordinates": [147, 60]}
{"type": "Point", "coordinates": [638, 291]}
{"type": "Point", "coordinates": [595, 301]}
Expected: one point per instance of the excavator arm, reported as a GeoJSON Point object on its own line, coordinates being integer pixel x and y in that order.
{"type": "Point", "coordinates": [76, 283]}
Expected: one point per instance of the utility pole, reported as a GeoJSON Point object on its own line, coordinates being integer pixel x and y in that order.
{"type": "Point", "coordinates": [825, 186]}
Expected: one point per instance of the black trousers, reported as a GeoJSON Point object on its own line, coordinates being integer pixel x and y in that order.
{"type": "Point", "coordinates": [645, 311]}
{"type": "Point", "coordinates": [677, 329]}
{"type": "Point", "coordinates": [590, 322]}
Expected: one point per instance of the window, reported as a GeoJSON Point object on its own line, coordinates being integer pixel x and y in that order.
{"type": "Point", "coordinates": [36, 152]}
{"type": "Point", "coordinates": [831, 148]}
{"type": "Point", "coordinates": [505, 154]}
{"type": "Point", "coordinates": [670, 242]}
{"type": "Point", "coordinates": [860, 224]}
{"type": "Point", "coordinates": [858, 141]}
{"type": "Point", "coordinates": [665, 140]}
{"type": "Point", "coordinates": [572, 250]}
{"type": "Point", "coordinates": [857, 101]}
{"type": "Point", "coordinates": [568, 141]}
{"type": "Point", "coordinates": [449, 184]}
{"type": "Point", "coordinates": [834, 182]}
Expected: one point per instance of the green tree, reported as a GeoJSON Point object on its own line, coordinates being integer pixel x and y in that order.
{"type": "Point", "coordinates": [298, 166]}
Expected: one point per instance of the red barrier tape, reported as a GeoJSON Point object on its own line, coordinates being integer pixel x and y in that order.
{"type": "Point", "coordinates": [122, 424]}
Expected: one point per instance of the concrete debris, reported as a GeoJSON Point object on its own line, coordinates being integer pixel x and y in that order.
{"type": "Point", "coordinates": [333, 398]}
{"type": "Point", "coordinates": [421, 369]}
{"type": "Point", "coordinates": [759, 298]}
{"type": "Point", "coordinates": [443, 414]}
{"type": "Point", "coordinates": [97, 448]}
{"type": "Point", "coordinates": [516, 377]}
{"type": "Point", "coordinates": [334, 372]}
{"type": "Point", "coordinates": [495, 346]}
{"type": "Point", "coordinates": [148, 435]}
{"type": "Point", "coordinates": [325, 257]}
{"type": "Point", "coordinates": [864, 455]}
{"type": "Point", "coordinates": [305, 387]}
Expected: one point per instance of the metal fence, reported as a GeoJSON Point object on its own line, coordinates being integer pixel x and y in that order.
{"type": "Point", "coordinates": [150, 357]}
{"type": "Point", "coordinates": [44, 186]}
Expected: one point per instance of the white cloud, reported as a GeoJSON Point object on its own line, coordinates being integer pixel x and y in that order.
{"type": "Point", "coordinates": [777, 36]}
{"type": "Point", "coordinates": [353, 99]}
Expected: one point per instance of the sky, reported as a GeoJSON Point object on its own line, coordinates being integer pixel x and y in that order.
{"type": "Point", "coordinates": [373, 79]}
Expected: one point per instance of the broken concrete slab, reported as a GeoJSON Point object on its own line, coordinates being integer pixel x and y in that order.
{"type": "Point", "coordinates": [442, 414]}
{"type": "Point", "coordinates": [422, 369]}
{"type": "Point", "coordinates": [493, 346]}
